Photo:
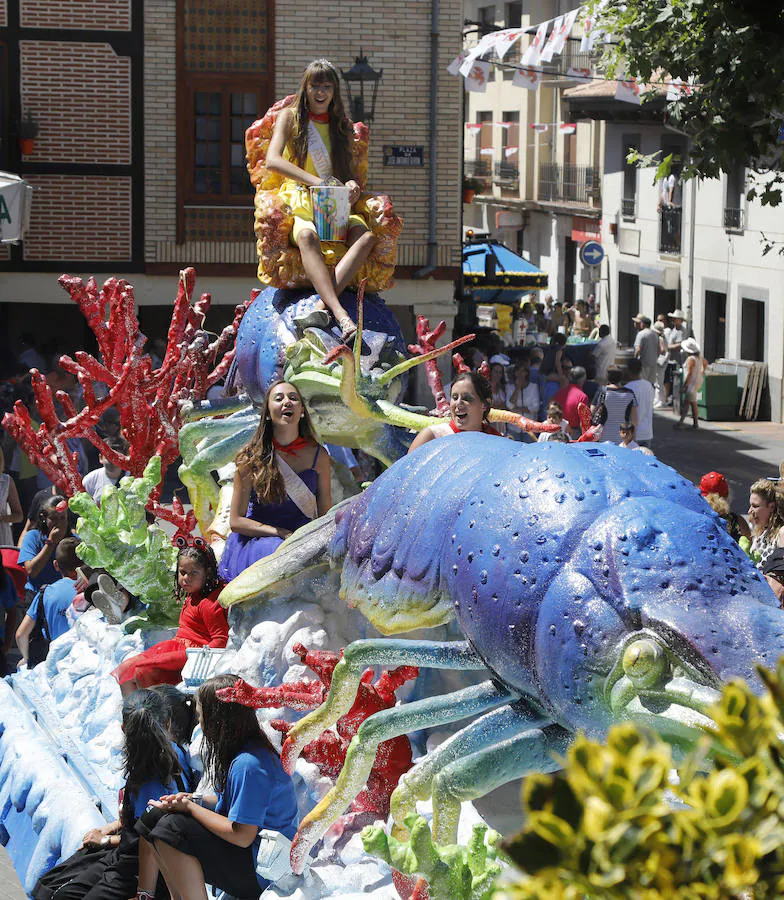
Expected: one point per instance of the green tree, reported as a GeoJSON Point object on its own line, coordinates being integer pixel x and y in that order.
{"type": "Point", "coordinates": [734, 53]}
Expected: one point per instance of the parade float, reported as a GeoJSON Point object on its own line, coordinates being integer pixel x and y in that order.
{"type": "Point", "coordinates": [466, 616]}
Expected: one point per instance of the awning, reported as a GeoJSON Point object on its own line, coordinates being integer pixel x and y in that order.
{"type": "Point", "coordinates": [15, 198]}
{"type": "Point", "coordinates": [498, 274]}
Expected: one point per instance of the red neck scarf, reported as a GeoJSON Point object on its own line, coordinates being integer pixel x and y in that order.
{"type": "Point", "coordinates": [299, 443]}
{"type": "Point", "coordinates": [323, 118]}
{"type": "Point", "coordinates": [486, 428]}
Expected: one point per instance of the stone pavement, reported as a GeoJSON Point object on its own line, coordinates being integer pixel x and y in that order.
{"type": "Point", "coordinates": [741, 451]}
{"type": "Point", "coordinates": [10, 887]}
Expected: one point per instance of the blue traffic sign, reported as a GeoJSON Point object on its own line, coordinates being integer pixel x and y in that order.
{"type": "Point", "coordinates": [591, 253]}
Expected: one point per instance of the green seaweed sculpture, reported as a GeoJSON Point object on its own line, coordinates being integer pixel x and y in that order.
{"type": "Point", "coordinates": [453, 872]}
{"type": "Point", "coordinates": [115, 536]}
{"type": "Point", "coordinates": [615, 824]}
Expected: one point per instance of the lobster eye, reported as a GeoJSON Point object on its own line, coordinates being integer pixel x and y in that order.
{"type": "Point", "coordinates": [643, 662]}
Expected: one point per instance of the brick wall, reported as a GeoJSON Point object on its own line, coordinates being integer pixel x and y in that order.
{"type": "Point", "coordinates": [160, 121]}
{"type": "Point", "coordinates": [106, 15]}
{"type": "Point", "coordinates": [80, 93]}
{"type": "Point", "coordinates": [79, 218]}
{"type": "Point", "coordinates": [395, 38]}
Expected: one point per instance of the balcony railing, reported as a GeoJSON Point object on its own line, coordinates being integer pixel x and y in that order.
{"type": "Point", "coordinates": [477, 168]}
{"type": "Point", "coordinates": [629, 207]}
{"type": "Point", "coordinates": [670, 229]}
{"type": "Point", "coordinates": [733, 219]}
{"type": "Point", "coordinates": [506, 171]}
{"type": "Point", "coordinates": [567, 184]}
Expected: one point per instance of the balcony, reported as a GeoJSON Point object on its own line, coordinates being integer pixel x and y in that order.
{"type": "Point", "coordinates": [477, 168]}
{"type": "Point", "coordinates": [568, 184]}
{"type": "Point", "coordinates": [670, 218]}
{"type": "Point", "coordinates": [507, 177]}
{"type": "Point", "coordinates": [629, 207]}
{"type": "Point", "coordinates": [733, 219]}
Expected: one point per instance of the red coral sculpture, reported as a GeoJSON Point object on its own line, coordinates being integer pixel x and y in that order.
{"type": "Point", "coordinates": [328, 752]}
{"type": "Point", "coordinates": [426, 343]}
{"type": "Point", "coordinates": [280, 263]}
{"type": "Point", "coordinates": [147, 399]}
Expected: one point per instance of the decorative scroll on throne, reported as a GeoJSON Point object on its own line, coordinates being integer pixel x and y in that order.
{"type": "Point", "coordinates": [280, 264]}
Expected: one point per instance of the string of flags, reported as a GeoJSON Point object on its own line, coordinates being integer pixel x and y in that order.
{"type": "Point", "coordinates": [548, 41]}
{"type": "Point", "coordinates": [539, 127]}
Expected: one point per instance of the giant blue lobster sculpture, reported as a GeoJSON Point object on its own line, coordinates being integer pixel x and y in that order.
{"type": "Point", "coordinates": [592, 583]}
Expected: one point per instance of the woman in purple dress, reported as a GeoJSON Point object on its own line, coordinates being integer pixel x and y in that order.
{"type": "Point", "coordinates": [281, 483]}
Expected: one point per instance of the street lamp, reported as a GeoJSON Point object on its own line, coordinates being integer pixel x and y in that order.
{"type": "Point", "coordinates": [359, 75]}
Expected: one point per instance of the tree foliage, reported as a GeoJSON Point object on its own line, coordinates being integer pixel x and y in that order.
{"type": "Point", "coordinates": [733, 53]}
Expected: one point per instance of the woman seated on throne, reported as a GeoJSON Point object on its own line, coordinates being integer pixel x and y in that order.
{"type": "Point", "coordinates": [306, 141]}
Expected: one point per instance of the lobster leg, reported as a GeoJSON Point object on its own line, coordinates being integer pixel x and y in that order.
{"type": "Point", "coordinates": [384, 726]}
{"type": "Point", "coordinates": [348, 672]}
{"type": "Point", "coordinates": [499, 725]}
{"type": "Point", "coordinates": [196, 472]}
{"type": "Point", "coordinates": [472, 776]}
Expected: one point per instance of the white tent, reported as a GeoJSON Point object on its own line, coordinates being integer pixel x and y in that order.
{"type": "Point", "coordinates": [15, 198]}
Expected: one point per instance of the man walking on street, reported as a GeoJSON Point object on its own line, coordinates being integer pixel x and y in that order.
{"type": "Point", "coordinates": [646, 347]}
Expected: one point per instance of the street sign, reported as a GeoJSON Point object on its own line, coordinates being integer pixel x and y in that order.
{"type": "Point", "coordinates": [591, 253]}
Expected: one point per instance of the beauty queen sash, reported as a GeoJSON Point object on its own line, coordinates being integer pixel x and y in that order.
{"type": "Point", "coordinates": [319, 154]}
{"type": "Point", "coordinates": [302, 497]}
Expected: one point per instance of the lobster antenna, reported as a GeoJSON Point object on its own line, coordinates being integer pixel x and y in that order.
{"type": "Point", "coordinates": [416, 360]}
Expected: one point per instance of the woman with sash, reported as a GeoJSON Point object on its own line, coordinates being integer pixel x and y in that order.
{"type": "Point", "coordinates": [311, 146]}
{"type": "Point", "coordinates": [282, 482]}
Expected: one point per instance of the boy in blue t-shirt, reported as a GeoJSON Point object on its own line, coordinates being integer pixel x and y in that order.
{"type": "Point", "coordinates": [52, 601]}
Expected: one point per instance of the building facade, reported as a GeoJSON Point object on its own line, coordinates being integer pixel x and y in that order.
{"type": "Point", "coordinates": [139, 168]}
{"type": "Point", "coordinates": [541, 179]}
{"type": "Point", "coordinates": [701, 249]}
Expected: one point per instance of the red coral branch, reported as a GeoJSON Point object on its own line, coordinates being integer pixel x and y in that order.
{"type": "Point", "coordinates": [328, 751]}
{"type": "Point", "coordinates": [426, 343]}
{"type": "Point", "coordinates": [147, 399]}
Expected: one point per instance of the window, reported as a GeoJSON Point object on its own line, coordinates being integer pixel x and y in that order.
{"type": "Point", "coordinates": [514, 14]}
{"type": "Point", "coordinates": [484, 143]}
{"type": "Point", "coordinates": [216, 141]}
{"type": "Point", "coordinates": [735, 199]}
{"type": "Point", "coordinates": [629, 199]}
{"type": "Point", "coordinates": [752, 330]}
{"type": "Point", "coordinates": [508, 169]}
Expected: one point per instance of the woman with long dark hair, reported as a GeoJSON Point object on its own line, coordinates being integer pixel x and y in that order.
{"type": "Point", "coordinates": [107, 866]}
{"type": "Point", "coordinates": [281, 483]}
{"type": "Point", "coordinates": [216, 838]}
{"type": "Point", "coordinates": [311, 146]}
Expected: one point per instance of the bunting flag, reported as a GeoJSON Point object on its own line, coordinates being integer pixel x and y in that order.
{"type": "Point", "coordinates": [532, 52]}
{"type": "Point", "coordinates": [549, 48]}
{"type": "Point", "coordinates": [577, 74]}
{"type": "Point", "coordinates": [510, 151]}
{"type": "Point", "coordinates": [628, 91]}
{"type": "Point", "coordinates": [505, 125]}
{"type": "Point", "coordinates": [527, 78]}
{"type": "Point", "coordinates": [486, 151]}
{"type": "Point", "coordinates": [562, 35]}
{"type": "Point", "coordinates": [454, 67]}
{"type": "Point", "coordinates": [586, 42]}
{"type": "Point", "coordinates": [504, 40]}
{"type": "Point", "coordinates": [476, 79]}
{"type": "Point", "coordinates": [567, 128]}
{"type": "Point", "coordinates": [678, 88]}
{"type": "Point", "coordinates": [484, 46]}
{"type": "Point", "coordinates": [473, 127]}
{"type": "Point", "coordinates": [539, 127]}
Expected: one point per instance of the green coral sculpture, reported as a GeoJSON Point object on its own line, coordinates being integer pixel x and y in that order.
{"type": "Point", "coordinates": [115, 536]}
{"type": "Point", "coordinates": [453, 872]}
{"type": "Point", "coordinates": [616, 824]}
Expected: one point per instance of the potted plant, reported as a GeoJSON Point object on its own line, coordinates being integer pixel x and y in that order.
{"type": "Point", "coordinates": [471, 186]}
{"type": "Point", "coordinates": [28, 132]}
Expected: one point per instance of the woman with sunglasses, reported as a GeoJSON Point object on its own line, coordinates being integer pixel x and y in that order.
{"type": "Point", "coordinates": [203, 621]}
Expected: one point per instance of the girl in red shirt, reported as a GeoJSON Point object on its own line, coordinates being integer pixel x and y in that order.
{"type": "Point", "coordinates": [203, 622]}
